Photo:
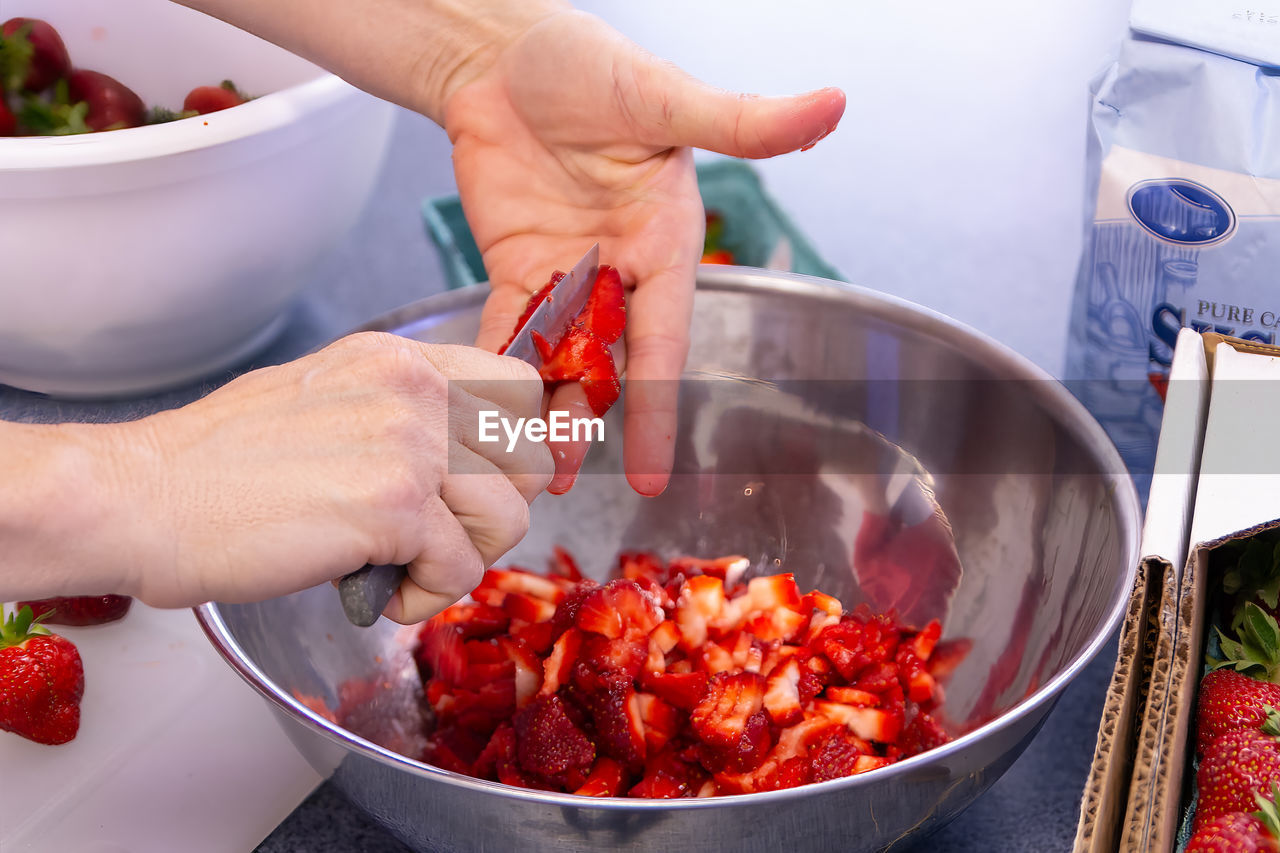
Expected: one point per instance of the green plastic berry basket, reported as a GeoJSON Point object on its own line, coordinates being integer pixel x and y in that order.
{"type": "Point", "coordinates": [756, 230]}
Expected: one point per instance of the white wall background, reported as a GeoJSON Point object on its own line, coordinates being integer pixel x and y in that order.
{"type": "Point", "coordinates": [956, 178]}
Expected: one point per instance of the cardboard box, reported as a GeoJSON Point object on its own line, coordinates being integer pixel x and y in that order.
{"type": "Point", "coordinates": [1139, 682]}
{"type": "Point", "coordinates": [1213, 486]}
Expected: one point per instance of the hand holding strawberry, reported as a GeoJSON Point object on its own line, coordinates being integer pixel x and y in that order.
{"type": "Point", "coordinates": [547, 164]}
{"type": "Point", "coordinates": [41, 680]}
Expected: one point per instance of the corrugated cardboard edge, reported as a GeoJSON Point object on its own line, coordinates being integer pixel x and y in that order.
{"type": "Point", "coordinates": [1155, 808]}
{"type": "Point", "coordinates": [1107, 790]}
{"type": "Point", "coordinates": [1133, 830]}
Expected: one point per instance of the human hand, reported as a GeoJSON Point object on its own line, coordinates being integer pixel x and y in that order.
{"type": "Point", "coordinates": [548, 162]}
{"type": "Point", "coordinates": [289, 476]}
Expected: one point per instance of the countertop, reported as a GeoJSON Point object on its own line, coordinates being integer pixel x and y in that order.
{"type": "Point", "coordinates": [1017, 296]}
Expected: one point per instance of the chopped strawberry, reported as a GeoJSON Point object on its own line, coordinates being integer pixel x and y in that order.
{"type": "Point", "coordinates": [947, 655]}
{"type": "Point", "coordinates": [926, 640]}
{"type": "Point", "coordinates": [620, 608]}
{"type": "Point", "coordinates": [583, 358]}
{"type": "Point", "coordinates": [472, 620]}
{"type": "Point", "coordinates": [721, 717]}
{"type": "Point", "coordinates": [715, 658]}
{"type": "Point", "coordinates": [922, 733]}
{"type": "Point", "coordinates": [728, 569]}
{"type": "Point", "coordinates": [455, 749]}
{"type": "Point", "coordinates": [774, 591]}
{"type": "Point", "coordinates": [602, 661]}
{"type": "Point", "coordinates": [684, 690]}
{"type": "Point", "coordinates": [528, 608]}
{"type": "Point", "coordinates": [661, 721]}
{"type": "Point", "coordinates": [563, 565]}
{"type": "Point", "coordinates": [878, 677]}
{"type": "Point", "coordinates": [667, 776]}
{"type": "Point", "coordinates": [618, 723]}
{"type": "Point", "coordinates": [532, 305]}
{"type": "Point", "coordinates": [549, 742]}
{"type": "Point", "coordinates": [538, 636]}
{"type": "Point", "coordinates": [782, 694]}
{"type": "Point", "coordinates": [916, 680]}
{"type": "Point", "coordinates": [873, 724]}
{"type": "Point", "coordinates": [668, 683]}
{"type": "Point", "coordinates": [635, 565]}
{"type": "Point", "coordinates": [605, 779]}
{"type": "Point", "coordinates": [662, 640]}
{"type": "Point", "coordinates": [837, 756]}
{"type": "Point", "coordinates": [528, 669]}
{"type": "Point", "coordinates": [567, 611]}
{"type": "Point", "coordinates": [745, 754]}
{"type": "Point", "coordinates": [516, 580]}
{"type": "Point", "coordinates": [777, 624]}
{"type": "Point", "coordinates": [701, 600]}
{"type": "Point", "coordinates": [558, 667]}
{"type": "Point", "coordinates": [605, 313]}
{"type": "Point", "coordinates": [440, 650]}
{"type": "Point", "coordinates": [851, 696]}
{"type": "Point", "coordinates": [820, 601]}
{"type": "Point", "coordinates": [501, 749]}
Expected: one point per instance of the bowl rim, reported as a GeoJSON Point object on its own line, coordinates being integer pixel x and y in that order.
{"type": "Point", "coordinates": [729, 278]}
{"type": "Point", "coordinates": [264, 113]}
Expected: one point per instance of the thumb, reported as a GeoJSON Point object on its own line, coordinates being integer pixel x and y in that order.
{"type": "Point", "coordinates": [685, 112]}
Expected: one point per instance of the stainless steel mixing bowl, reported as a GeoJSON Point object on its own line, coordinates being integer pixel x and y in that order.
{"type": "Point", "coordinates": [818, 426]}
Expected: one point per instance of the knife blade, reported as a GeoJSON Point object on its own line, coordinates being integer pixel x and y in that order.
{"type": "Point", "coordinates": [365, 592]}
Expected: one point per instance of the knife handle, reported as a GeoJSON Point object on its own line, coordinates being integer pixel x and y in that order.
{"type": "Point", "coordinates": [365, 592]}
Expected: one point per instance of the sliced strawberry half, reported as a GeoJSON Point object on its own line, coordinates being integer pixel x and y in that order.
{"type": "Point", "coordinates": [721, 717]}
{"type": "Point", "coordinates": [605, 313]}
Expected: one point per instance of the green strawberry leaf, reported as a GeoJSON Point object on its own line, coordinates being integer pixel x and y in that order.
{"type": "Point", "coordinates": [16, 52]}
{"type": "Point", "coordinates": [1255, 650]}
{"type": "Point", "coordinates": [1255, 574]}
{"type": "Point", "coordinates": [20, 626]}
{"type": "Point", "coordinates": [1267, 811]}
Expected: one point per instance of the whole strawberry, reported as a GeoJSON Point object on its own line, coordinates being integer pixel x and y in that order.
{"type": "Point", "coordinates": [41, 680]}
{"type": "Point", "coordinates": [1241, 832]}
{"type": "Point", "coordinates": [1236, 766]}
{"type": "Point", "coordinates": [85, 609]}
{"type": "Point", "coordinates": [1231, 700]}
{"type": "Point", "coordinates": [1237, 832]}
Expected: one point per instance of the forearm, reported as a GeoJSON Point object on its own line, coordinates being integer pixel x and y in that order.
{"type": "Point", "coordinates": [412, 52]}
{"type": "Point", "coordinates": [64, 512]}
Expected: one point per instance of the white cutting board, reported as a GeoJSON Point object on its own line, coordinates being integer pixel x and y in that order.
{"type": "Point", "coordinates": [175, 752]}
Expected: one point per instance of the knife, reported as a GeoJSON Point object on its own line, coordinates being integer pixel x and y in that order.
{"type": "Point", "coordinates": [365, 592]}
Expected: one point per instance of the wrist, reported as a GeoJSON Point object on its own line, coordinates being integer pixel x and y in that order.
{"type": "Point", "coordinates": [63, 520]}
{"type": "Point", "coordinates": [414, 53]}
{"type": "Point", "coordinates": [472, 44]}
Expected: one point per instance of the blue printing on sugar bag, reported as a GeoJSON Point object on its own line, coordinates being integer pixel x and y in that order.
{"type": "Point", "coordinates": [1184, 173]}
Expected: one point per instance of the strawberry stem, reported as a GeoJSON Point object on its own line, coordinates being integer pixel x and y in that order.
{"type": "Point", "coordinates": [20, 626]}
{"type": "Point", "coordinates": [1257, 651]}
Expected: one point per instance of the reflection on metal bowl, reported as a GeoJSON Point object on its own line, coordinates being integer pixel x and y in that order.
{"type": "Point", "coordinates": [880, 452]}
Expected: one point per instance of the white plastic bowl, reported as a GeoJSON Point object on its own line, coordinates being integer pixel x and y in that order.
{"type": "Point", "coordinates": [137, 259]}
